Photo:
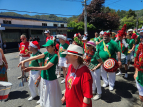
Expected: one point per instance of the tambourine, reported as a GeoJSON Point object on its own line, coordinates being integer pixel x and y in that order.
{"type": "Point", "coordinates": [110, 65]}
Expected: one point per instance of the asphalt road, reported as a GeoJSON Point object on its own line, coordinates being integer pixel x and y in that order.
{"type": "Point", "coordinates": [125, 93]}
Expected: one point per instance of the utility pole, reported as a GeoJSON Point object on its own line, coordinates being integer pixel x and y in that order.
{"type": "Point", "coordinates": [137, 22]}
{"type": "Point", "coordinates": [85, 18]}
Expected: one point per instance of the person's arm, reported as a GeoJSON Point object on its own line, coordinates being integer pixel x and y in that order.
{"type": "Point", "coordinates": [119, 58]}
{"type": "Point", "coordinates": [132, 48]}
{"type": "Point", "coordinates": [98, 42]}
{"type": "Point", "coordinates": [40, 64]}
{"type": "Point", "coordinates": [136, 73]}
{"type": "Point", "coordinates": [4, 59]}
{"type": "Point", "coordinates": [100, 63]}
{"type": "Point", "coordinates": [30, 59]}
{"type": "Point", "coordinates": [49, 65]}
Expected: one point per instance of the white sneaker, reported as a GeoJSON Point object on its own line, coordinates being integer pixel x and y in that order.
{"type": "Point", "coordinates": [58, 76]}
{"type": "Point", "coordinates": [63, 92]}
{"type": "Point", "coordinates": [126, 75]}
{"type": "Point", "coordinates": [63, 81]}
{"type": "Point", "coordinates": [38, 102]}
{"type": "Point", "coordinates": [93, 92]}
{"type": "Point", "coordinates": [31, 98]}
{"type": "Point", "coordinates": [111, 88]}
{"type": "Point", "coordinates": [98, 96]}
{"type": "Point", "coordinates": [104, 85]}
{"type": "Point", "coordinates": [119, 73]}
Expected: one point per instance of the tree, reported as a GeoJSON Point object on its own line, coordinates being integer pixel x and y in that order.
{"type": "Point", "coordinates": [100, 19]}
{"type": "Point", "coordinates": [79, 26]}
{"type": "Point", "coordinates": [131, 13]}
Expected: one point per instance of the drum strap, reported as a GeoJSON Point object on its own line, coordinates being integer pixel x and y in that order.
{"type": "Point", "coordinates": [106, 49]}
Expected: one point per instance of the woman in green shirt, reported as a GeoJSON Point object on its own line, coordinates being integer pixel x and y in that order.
{"type": "Point", "coordinates": [50, 91]}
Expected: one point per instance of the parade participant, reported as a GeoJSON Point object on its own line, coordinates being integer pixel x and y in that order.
{"type": "Point", "coordinates": [62, 59]}
{"type": "Point", "coordinates": [100, 38]}
{"type": "Point", "coordinates": [138, 64]}
{"type": "Point", "coordinates": [34, 74]}
{"type": "Point", "coordinates": [50, 92]}
{"type": "Point", "coordinates": [134, 36]}
{"type": "Point", "coordinates": [3, 66]}
{"type": "Point", "coordinates": [113, 36]}
{"type": "Point", "coordinates": [77, 40]}
{"type": "Point", "coordinates": [131, 48]}
{"type": "Point", "coordinates": [24, 51]}
{"type": "Point", "coordinates": [96, 71]}
{"type": "Point", "coordinates": [78, 83]}
{"type": "Point", "coordinates": [96, 36]}
{"type": "Point", "coordinates": [49, 37]}
{"type": "Point", "coordinates": [123, 46]}
{"type": "Point", "coordinates": [108, 49]}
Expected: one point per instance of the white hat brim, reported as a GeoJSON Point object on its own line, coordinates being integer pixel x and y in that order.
{"type": "Point", "coordinates": [66, 52]}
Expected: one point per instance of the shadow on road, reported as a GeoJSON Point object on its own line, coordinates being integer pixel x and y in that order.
{"type": "Point", "coordinates": [18, 94]}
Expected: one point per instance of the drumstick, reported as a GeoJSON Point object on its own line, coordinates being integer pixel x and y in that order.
{"type": "Point", "coordinates": [5, 89]}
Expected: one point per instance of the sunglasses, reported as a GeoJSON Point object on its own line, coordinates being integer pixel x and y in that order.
{"type": "Point", "coordinates": [88, 45]}
{"type": "Point", "coordinates": [22, 38]}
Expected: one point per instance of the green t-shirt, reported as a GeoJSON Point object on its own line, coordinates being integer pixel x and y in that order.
{"type": "Point", "coordinates": [95, 58]}
{"type": "Point", "coordinates": [49, 74]}
{"type": "Point", "coordinates": [131, 42]}
{"type": "Point", "coordinates": [123, 50]}
{"type": "Point", "coordinates": [112, 46]}
{"type": "Point", "coordinates": [35, 63]}
{"type": "Point", "coordinates": [98, 40]}
{"type": "Point", "coordinates": [113, 38]}
{"type": "Point", "coordinates": [94, 39]}
{"type": "Point", "coordinates": [136, 48]}
{"type": "Point", "coordinates": [63, 48]}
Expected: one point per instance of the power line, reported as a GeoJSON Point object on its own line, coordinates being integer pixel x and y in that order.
{"type": "Point", "coordinates": [36, 12]}
{"type": "Point", "coordinates": [114, 2]}
{"type": "Point", "coordinates": [72, 0]}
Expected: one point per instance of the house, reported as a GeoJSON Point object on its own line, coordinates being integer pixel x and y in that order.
{"type": "Point", "coordinates": [12, 27]}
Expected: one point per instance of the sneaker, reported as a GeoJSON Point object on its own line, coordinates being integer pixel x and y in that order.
{"type": "Point", "coordinates": [38, 102]}
{"type": "Point", "coordinates": [111, 88]}
{"type": "Point", "coordinates": [119, 73]}
{"type": "Point", "coordinates": [63, 92]}
{"type": "Point", "coordinates": [58, 76]}
{"type": "Point", "coordinates": [104, 85]}
{"type": "Point", "coordinates": [31, 98]}
{"type": "Point", "coordinates": [63, 81]}
{"type": "Point", "coordinates": [98, 96]}
{"type": "Point", "coordinates": [93, 92]}
{"type": "Point", "coordinates": [20, 77]}
{"type": "Point", "coordinates": [126, 75]}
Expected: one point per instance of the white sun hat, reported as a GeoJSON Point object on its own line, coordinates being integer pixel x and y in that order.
{"type": "Point", "coordinates": [129, 30]}
{"type": "Point", "coordinates": [74, 50]}
{"type": "Point", "coordinates": [47, 31]}
{"type": "Point", "coordinates": [62, 37]}
{"type": "Point", "coordinates": [102, 32]}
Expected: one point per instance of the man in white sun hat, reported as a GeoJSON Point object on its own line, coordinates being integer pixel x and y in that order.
{"type": "Point", "coordinates": [49, 37]}
{"type": "Point", "coordinates": [62, 60]}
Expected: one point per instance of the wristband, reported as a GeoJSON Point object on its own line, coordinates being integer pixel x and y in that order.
{"type": "Point", "coordinates": [85, 105]}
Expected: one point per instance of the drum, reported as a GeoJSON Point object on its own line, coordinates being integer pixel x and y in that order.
{"type": "Point", "coordinates": [4, 90]}
{"type": "Point", "coordinates": [123, 58]}
{"type": "Point", "coordinates": [110, 65]}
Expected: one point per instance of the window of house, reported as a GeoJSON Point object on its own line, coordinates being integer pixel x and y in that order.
{"type": "Point", "coordinates": [55, 25]}
{"type": "Point", "coordinates": [6, 22]}
{"type": "Point", "coordinates": [62, 25]}
{"type": "Point", "coordinates": [44, 24]}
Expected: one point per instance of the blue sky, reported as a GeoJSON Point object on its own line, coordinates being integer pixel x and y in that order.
{"type": "Point", "coordinates": [64, 6]}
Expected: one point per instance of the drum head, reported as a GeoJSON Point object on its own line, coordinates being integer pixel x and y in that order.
{"type": "Point", "coordinates": [109, 64]}
{"type": "Point", "coordinates": [2, 83]}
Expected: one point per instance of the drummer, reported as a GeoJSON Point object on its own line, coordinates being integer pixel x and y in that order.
{"type": "Point", "coordinates": [96, 71]}
{"type": "Point", "coordinates": [123, 46]}
{"type": "Point", "coordinates": [138, 76]}
{"type": "Point", "coordinates": [108, 52]}
{"type": "Point", "coordinates": [131, 47]}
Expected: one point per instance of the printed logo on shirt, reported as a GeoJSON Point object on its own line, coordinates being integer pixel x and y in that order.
{"type": "Point", "coordinates": [23, 46]}
{"type": "Point", "coordinates": [105, 48]}
{"type": "Point", "coordinates": [47, 59]}
{"type": "Point", "coordinates": [62, 49]}
{"type": "Point", "coordinates": [70, 80]}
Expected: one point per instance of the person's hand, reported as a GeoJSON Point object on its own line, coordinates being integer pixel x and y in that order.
{"type": "Point", "coordinates": [22, 64]}
{"type": "Point", "coordinates": [130, 50]}
{"type": "Point", "coordinates": [93, 69]}
{"type": "Point", "coordinates": [39, 78]}
{"type": "Point", "coordinates": [27, 69]}
{"type": "Point", "coordinates": [135, 76]}
{"type": "Point", "coordinates": [119, 63]}
{"type": "Point", "coordinates": [63, 100]}
{"type": "Point", "coordinates": [6, 65]}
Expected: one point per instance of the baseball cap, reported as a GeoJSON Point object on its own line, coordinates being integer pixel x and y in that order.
{"type": "Point", "coordinates": [49, 43]}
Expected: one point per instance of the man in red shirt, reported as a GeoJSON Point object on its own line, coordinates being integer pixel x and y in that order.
{"type": "Point", "coordinates": [134, 36]}
{"type": "Point", "coordinates": [49, 37]}
{"type": "Point", "coordinates": [24, 51]}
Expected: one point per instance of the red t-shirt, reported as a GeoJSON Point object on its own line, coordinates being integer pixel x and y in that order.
{"type": "Point", "coordinates": [134, 36]}
{"type": "Point", "coordinates": [81, 83]}
{"type": "Point", "coordinates": [67, 42]}
{"type": "Point", "coordinates": [24, 48]}
{"type": "Point", "coordinates": [49, 38]}
{"type": "Point", "coordinates": [57, 47]}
